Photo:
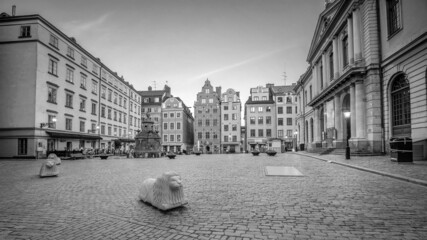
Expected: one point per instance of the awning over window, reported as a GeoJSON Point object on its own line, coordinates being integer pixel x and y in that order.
{"type": "Point", "coordinates": [58, 134]}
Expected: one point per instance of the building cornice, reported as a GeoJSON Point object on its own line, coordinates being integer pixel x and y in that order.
{"type": "Point", "coordinates": [408, 47]}
{"type": "Point", "coordinates": [345, 80]}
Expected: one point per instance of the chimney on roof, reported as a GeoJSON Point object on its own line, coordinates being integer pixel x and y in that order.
{"type": "Point", "coordinates": [168, 90]}
{"type": "Point", "coordinates": [269, 85]}
{"type": "Point", "coordinates": [13, 10]}
{"type": "Point", "coordinates": [150, 88]}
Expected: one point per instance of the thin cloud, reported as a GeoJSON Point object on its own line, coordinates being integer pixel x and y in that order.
{"type": "Point", "coordinates": [241, 63]}
{"type": "Point", "coordinates": [78, 27]}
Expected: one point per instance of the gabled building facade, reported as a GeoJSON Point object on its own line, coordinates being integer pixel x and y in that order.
{"type": "Point", "coordinates": [207, 120]}
{"type": "Point", "coordinates": [230, 121]}
{"type": "Point", "coordinates": [178, 123]}
{"type": "Point", "coordinates": [260, 118]}
{"type": "Point", "coordinates": [286, 110]}
{"type": "Point", "coordinates": [151, 103]}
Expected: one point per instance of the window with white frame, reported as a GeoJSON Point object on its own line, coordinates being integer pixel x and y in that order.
{"type": "Point", "coordinates": [110, 93]}
{"type": "Point", "coordinates": [94, 87]}
{"type": "Point", "coordinates": [103, 91]}
{"type": "Point", "coordinates": [70, 52]}
{"type": "Point", "coordinates": [51, 94]}
{"type": "Point", "coordinates": [83, 78]}
{"type": "Point", "coordinates": [93, 108]}
{"type": "Point", "coordinates": [53, 41]}
{"type": "Point", "coordinates": [82, 104]}
{"type": "Point", "coordinates": [84, 61]}
{"type": "Point", "coordinates": [394, 21]}
{"type": "Point", "coordinates": [53, 66]}
{"type": "Point", "coordinates": [25, 32]}
{"type": "Point", "coordinates": [82, 126]}
{"type": "Point", "coordinates": [51, 119]}
{"type": "Point", "coordinates": [68, 124]}
{"type": "Point", "coordinates": [69, 100]}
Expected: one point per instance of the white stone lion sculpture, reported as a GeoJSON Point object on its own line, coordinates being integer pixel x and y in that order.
{"type": "Point", "coordinates": [49, 169]}
{"type": "Point", "coordinates": [165, 192]}
{"type": "Point", "coordinates": [55, 158]}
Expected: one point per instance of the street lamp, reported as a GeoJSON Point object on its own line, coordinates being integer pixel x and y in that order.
{"type": "Point", "coordinates": [295, 141]}
{"type": "Point", "coordinates": [347, 115]}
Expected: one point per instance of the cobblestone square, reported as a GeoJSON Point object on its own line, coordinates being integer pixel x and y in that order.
{"type": "Point", "coordinates": [229, 196]}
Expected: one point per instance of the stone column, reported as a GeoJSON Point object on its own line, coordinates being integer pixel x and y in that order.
{"type": "Point", "coordinates": [325, 81]}
{"type": "Point", "coordinates": [360, 110]}
{"type": "Point", "coordinates": [336, 72]}
{"type": "Point", "coordinates": [315, 81]}
{"type": "Point", "coordinates": [350, 40]}
{"type": "Point", "coordinates": [353, 111]}
{"type": "Point", "coordinates": [338, 121]}
{"type": "Point", "coordinates": [357, 35]}
{"type": "Point", "coordinates": [317, 133]}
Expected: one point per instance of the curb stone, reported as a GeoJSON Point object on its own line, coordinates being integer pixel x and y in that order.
{"type": "Point", "coordinates": [395, 176]}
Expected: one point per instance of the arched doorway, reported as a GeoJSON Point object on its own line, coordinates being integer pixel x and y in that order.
{"type": "Point", "coordinates": [400, 106]}
{"type": "Point", "coordinates": [346, 124]}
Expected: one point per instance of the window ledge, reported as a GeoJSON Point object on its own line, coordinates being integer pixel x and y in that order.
{"type": "Point", "coordinates": [52, 102]}
{"type": "Point", "coordinates": [56, 47]}
{"type": "Point", "coordinates": [394, 33]}
{"type": "Point", "coordinates": [52, 74]}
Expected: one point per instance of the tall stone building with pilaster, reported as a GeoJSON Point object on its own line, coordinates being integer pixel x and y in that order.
{"type": "Point", "coordinates": [344, 76]}
{"type": "Point", "coordinates": [366, 83]}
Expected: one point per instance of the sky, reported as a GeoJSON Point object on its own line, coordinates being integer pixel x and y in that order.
{"type": "Point", "coordinates": [236, 44]}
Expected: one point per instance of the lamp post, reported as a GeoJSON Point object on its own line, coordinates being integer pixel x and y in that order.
{"type": "Point", "coordinates": [295, 141]}
{"type": "Point", "coordinates": [347, 115]}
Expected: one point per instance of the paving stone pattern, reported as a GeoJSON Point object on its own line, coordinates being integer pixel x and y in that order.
{"type": "Point", "coordinates": [229, 198]}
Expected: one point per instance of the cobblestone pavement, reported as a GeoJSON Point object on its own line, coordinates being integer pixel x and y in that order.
{"type": "Point", "coordinates": [229, 198]}
{"type": "Point", "coordinates": [414, 170]}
